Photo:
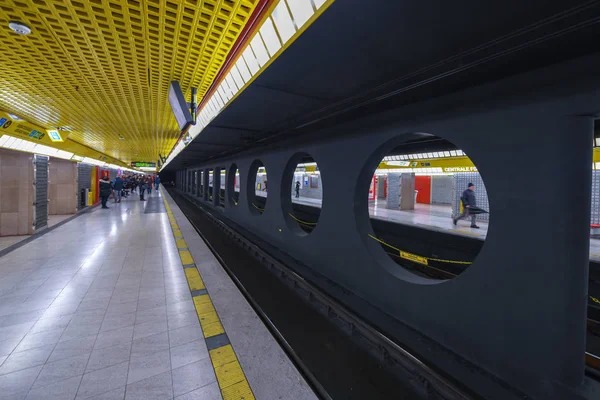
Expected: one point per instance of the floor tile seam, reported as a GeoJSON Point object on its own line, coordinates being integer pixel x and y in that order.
{"type": "Point", "coordinates": [236, 361]}
{"type": "Point", "coordinates": [96, 339]}
{"type": "Point", "coordinates": [49, 354]}
{"type": "Point", "coordinates": [168, 333]}
{"type": "Point", "coordinates": [44, 364]}
{"type": "Point", "coordinates": [55, 382]}
{"type": "Point", "coordinates": [193, 390]}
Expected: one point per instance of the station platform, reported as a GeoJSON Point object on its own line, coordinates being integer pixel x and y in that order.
{"type": "Point", "coordinates": [434, 217]}
{"type": "Point", "coordinates": [129, 303]}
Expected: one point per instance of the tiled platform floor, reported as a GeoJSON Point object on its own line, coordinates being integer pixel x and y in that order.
{"type": "Point", "coordinates": [100, 308]}
{"type": "Point", "coordinates": [7, 241]}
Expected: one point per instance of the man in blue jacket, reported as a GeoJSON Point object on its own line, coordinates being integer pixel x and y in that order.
{"type": "Point", "coordinates": [468, 201]}
{"type": "Point", "coordinates": [157, 181]}
{"type": "Point", "coordinates": [118, 187]}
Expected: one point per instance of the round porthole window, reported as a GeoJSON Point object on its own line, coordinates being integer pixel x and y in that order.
{"type": "Point", "coordinates": [233, 185]}
{"type": "Point", "coordinates": [211, 176]}
{"type": "Point", "coordinates": [257, 188]}
{"type": "Point", "coordinates": [221, 189]}
{"type": "Point", "coordinates": [303, 201]}
{"type": "Point", "coordinates": [428, 208]}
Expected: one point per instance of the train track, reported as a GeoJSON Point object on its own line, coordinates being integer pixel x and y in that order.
{"type": "Point", "coordinates": [329, 358]}
{"type": "Point", "coordinates": [440, 271]}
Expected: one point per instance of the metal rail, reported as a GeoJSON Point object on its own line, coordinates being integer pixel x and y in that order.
{"type": "Point", "coordinates": [423, 379]}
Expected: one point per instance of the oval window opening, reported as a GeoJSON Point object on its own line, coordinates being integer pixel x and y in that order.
{"type": "Point", "coordinates": [233, 185]}
{"type": "Point", "coordinates": [222, 182]}
{"type": "Point", "coordinates": [428, 208]}
{"type": "Point", "coordinates": [302, 206]}
{"type": "Point", "coordinates": [210, 184]}
{"type": "Point", "coordinates": [201, 184]}
{"type": "Point", "coordinates": [257, 188]}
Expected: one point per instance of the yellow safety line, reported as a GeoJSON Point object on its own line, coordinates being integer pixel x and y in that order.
{"type": "Point", "coordinates": [428, 266]}
{"type": "Point", "coordinates": [410, 256]}
{"type": "Point", "coordinates": [300, 221]}
{"type": "Point", "coordinates": [595, 300]}
{"type": "Point", "coordinates": [258, 208]}
{"type": "Point", "coordinates": [230, 376]}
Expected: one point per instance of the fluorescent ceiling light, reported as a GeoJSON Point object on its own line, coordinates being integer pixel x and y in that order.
{"type": "Point", "coordinates": [93, 161]}
{"type": "Point", "coordinates": [13, 143]}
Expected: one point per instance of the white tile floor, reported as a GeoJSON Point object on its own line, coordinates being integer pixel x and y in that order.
{"type": "Point", "coordinates": [430, 216]}
{"type": "Point", "coordinates": [100, 308]}
{"type": "Point", "coordinates": [7, 241]}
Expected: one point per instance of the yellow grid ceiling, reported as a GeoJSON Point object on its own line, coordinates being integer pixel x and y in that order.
{"type": "Point", "coordinates": [103, 67]}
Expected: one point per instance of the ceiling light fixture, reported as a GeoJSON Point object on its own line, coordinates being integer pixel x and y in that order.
{"type": "Point", "coordinates": [19, 28]}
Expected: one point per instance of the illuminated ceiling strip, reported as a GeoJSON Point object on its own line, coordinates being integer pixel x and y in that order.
{"type": "Point", "coordinates": [13, 143]}
{"type": "Point", "coordinates": [286, 20]}
{"type": "Point", "coordinates": [421, 156]}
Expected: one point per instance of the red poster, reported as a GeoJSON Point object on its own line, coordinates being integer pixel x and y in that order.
{"type": "Point", "coordinates": [373, 189]}
{"type": "Point", "coordinates": [423, 185]}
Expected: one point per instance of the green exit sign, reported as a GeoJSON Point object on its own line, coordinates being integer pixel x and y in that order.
{"type": "Point", "coordinates": [143, 164]}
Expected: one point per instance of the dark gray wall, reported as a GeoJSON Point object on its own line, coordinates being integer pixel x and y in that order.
{"type": "Point", "coordinates": [490, 314]}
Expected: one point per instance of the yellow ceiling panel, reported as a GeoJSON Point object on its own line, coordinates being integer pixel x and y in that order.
{"type": "Point", "coordinates": [102, 68]}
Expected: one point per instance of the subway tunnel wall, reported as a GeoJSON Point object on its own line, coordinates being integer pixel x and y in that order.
{"type": "Point", "coordinates": [491, 314]}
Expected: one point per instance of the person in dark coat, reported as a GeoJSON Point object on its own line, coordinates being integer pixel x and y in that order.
{"type": "Point", "coordinates": [118, 186]}
{"type": "Point", "coordinates": [468, 201]}
{"type": "Point", "coordinates": [142, 186]}
{"type": "Point", "coordinates": [297, 189]}
{"type": "Point", "coordinates": [105, 190]}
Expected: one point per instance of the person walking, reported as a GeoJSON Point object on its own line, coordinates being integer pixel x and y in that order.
{"type": "Point", "coordinates": [297, 189]}
{"type": "Point", "coordinates": [142, 187]}
{"type": "Point", "coordinates": [157, 181]}
{"type": "Point", "coordinates": [105, 190]}
{"type": "Point", "coordinates": [468, 201]}
{"type": "Point", "coordinates": [118, 187]}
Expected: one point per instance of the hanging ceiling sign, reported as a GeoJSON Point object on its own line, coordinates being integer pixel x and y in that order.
{"type": "Point", "coordinates": [36, 134]}
{"type": "Point", "coordinates": [143, 164]}
{"type": "Point", "coordinates": [55, 136]}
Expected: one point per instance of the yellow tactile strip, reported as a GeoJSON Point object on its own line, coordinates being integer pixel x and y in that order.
{"type": "Point", "coordinates": [230, 376]}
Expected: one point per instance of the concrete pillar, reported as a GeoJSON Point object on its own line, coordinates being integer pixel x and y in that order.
{"type": "Point", "coordinates": [407, 191]}
{"type": "Point", "coordinates": [393, 191]}
{"type": "Point", "coordinates": [380, 187]}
